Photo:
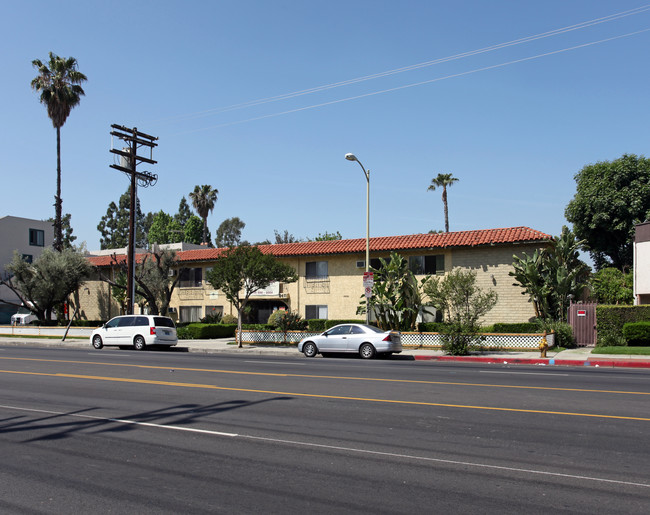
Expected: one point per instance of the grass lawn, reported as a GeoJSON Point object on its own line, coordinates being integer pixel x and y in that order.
{"type": "Point", "coordinates": [636, 351]}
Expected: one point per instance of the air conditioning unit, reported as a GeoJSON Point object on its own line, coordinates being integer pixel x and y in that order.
{"type": "Point", "coordinates": [172, 273]}
{"type": "Point", "coordinates": [361, 264]}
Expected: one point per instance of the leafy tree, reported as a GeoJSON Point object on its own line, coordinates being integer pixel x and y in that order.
{"type": "Point", "coordinates": [611, 197]}
{"type": "Point", "coordinates": [164, 229]}
{"type": "Point", "coordinates": [243, 270]}
{"type": "Point", "coordinates": [328, 236]}
{"type": "Point", "coordinates": [462, 304]}
{"type": "Point", "coordinates": [48, 281]}
{"type": "Point", "coordinates": [284, 237]}
{"type": "Point", "coordinates": [193, 230]}
{"type": "Point", "coordinates": [114, 225]}
{"type": "Point", "coordinates": [611, 286]}
{"type": "Point", "coordinates": [396, 295]}
{"type": "Point", "coordinates": [443, 181]}
{"type": "Point", "coordinates": [203, 200]}
{"type": "Point", "coordinates": [58, 84]}
{"type": "Point", "coordinates": [552, 276]}
{"type": "Point", "coordinates": [229, 232]}
{"type": "Point", "coordinates": [184, 212]}
{"type": "Point", "coordinates": [153, 280]}
{"type": "Point", "coordinates": [285, 321]}
{"type": "Point", "coordinates": [68, 238]}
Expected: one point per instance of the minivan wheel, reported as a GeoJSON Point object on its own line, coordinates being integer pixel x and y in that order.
{"type": "Point", "coordinates": [367, 351]}
{"type": "Point", "coordinates": [97, 342]}
{"type": "Point", "coordinates": [310, 349]}
{"type": "Point", "coordinates": [139, 343]}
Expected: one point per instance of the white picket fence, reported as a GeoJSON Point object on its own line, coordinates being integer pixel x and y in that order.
{"type": "Point", "coordinates": [525, 341]}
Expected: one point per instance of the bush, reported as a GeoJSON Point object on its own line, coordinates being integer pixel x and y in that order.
{"type": "Point", "coordinates": [431, 327]}
{"type": "Point", "coordinates": [257, 327]}
{"type": "Point", "coordinates": [522, 327]}
{"type": "Point", "coordinates": [198, 331]}
{"type": "Point", "coordinates": [316, 325]}
{"type": "Point", "coordinates": [212, 318]}
{"type": "Point", "coordinates": [637, 333]}
{"type": "Point", "coordinates": [611, 319]}
{"type": "Point", "coordinates": [228, 319]}
{"type": "Point", "coordinates": [563, 332]}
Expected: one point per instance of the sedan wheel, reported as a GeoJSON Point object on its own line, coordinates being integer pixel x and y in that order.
{"type": "Point", "coordinates": [97, 342]}
{"type": "Point", "coordinates": [310, 349]}
{"type": "Point", "coordinates": [139, 343]}
{"type": "Point", "coordinates": [367, 351]}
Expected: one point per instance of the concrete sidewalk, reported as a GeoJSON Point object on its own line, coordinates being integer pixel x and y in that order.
{"type": "Point", "coordinates": [572, 357]}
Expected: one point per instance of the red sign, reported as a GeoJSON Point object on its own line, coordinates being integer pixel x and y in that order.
{"type": "Point", "coordinates": [582, 312]}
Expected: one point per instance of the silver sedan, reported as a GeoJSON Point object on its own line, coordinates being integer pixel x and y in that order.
{"type": "Point", "coordinates": [364, 339]}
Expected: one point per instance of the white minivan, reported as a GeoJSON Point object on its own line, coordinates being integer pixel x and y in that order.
{"type": "Point", "coordinates": [135, 331]}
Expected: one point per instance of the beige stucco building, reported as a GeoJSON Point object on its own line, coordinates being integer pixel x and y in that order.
{"type": "Point", "coordinates": [330, 274]}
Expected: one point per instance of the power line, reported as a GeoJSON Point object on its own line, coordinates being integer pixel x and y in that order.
{"type": "Point", "coordinates": [527, 39]}
{"type": "Point", "coordinates": [397, 88]}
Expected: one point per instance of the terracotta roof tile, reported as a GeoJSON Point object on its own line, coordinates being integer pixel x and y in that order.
{"type": "Point", "coordinates": [510, 235]}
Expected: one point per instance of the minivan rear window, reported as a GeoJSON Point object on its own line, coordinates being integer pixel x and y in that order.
{"type": "Point", "coordinates": [163, 322]}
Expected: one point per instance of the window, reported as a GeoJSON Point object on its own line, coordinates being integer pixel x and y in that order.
{"type": "Point", "coordinates": [341, 329]}
{"type": "Point", "coordinates": [421, 265]}
{"type": "Point", "coordinates": [316, 270]}
{"type": "Point", "coordinates": [27, 258]}
{"type": "Point", "coordinates": [315, 312]}
{"type": "Point", "coordinates": [141, 321]}
{"type": "Point", "coordinates": [37, 237]}
{"type": "Point", "coordinates": [189, 313]}
{"type": "Point", "coordinates": [191, 278]}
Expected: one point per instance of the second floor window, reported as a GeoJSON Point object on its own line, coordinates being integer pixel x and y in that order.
{"type": "Point", "coordinates": [190, 278]}
{"type": "Point", "coordinates": [37, 237]}
{"type": "Point", "coordinates": [316, 270]}
{"type": "Point", "coordinates": [430, 265]}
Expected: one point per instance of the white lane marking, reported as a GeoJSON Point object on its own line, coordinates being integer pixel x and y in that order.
{"type": "Point", "coordinates": [333, 447]}
{"type": "Point", "coordinates": [521, 373]}
{"type": "Point", "coordinates": [276, 362]}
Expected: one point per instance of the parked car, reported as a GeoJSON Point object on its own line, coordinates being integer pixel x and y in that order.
{"type": "Point", "coordinates": [23, 318]}
{"type": "Point", "coordinates": [364, 339]}
{"type": "Point", "coordinates": [137, 331]}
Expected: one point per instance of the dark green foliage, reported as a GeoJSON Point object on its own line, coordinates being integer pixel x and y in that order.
{"type": "Point", "coordinates": [431, 327]}
{"type": "Point", "coordinates": [257, 327]}
{"type": "Point", "coordinates": [611, 197]}
{"type": "Point", "coordinates": [316, 325]}
{"type": "Point", "coordinates": [198, 331]}
{"type": "Point", "coordinates": [229, 319]}
{"type": "Point", "coordinates": [114, 225]}
{"type": "Point", "coordinates": [637, 333]}
{"type": "Point", "coordinates": [522, 327]}
{"type": "Point", "coordinates": [229, 232]}
{"type": "Point", "coordinates": [611, 319]}
{"type": "Point", "coordinates": [611, 286]}
{"type": "Point", "coordinates": [212, 318]}
{"type": "Point", "coordinates": [563, 332]}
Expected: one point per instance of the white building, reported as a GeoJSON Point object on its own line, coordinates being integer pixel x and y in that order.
{"type": "Point", "coordinates": [27, 237]}
{"type": "Point", "coordinates": [642, 263]}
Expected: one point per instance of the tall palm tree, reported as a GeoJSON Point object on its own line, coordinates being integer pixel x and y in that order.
{"type": "Point", "coordinates": [58, 83]}
{"type": "Point", "coordinates": [203, 200]}
{"type": "Point", "coordinates": [442, 181]}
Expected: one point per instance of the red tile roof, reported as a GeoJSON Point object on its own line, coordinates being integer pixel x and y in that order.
{"type": "Point", "coordinates": [511, 235]}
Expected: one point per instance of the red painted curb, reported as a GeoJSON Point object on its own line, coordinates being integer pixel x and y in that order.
{"type": "Point", "coordinates": [597, 362]}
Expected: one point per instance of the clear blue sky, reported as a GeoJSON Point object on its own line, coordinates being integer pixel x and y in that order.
{"type": "Point", "coordinates": [514, 135]}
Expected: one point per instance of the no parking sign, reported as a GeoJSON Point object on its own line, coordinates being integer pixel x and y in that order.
{"type": "Point", "coordinates": [368, 281]}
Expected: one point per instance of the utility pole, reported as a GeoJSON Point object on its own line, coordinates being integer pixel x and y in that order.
{"type": "Point", "coordinates": [133, 140]}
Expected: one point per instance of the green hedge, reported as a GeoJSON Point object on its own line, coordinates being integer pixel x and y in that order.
{"type": "Point", "coordinates": [316, 325]}
{"type": "Point", "coordinates": [198, 331]}
{"type": "Point", "coordinates": [523, 327]}
{"type": "Point", "coordinates": [637, 333]}
{"type": "Point", "coordinates": [258, 327]}
{"type": "Point", "coordinates": [611, 319]}
{"type": "Point", "coordinates": [431, 327]}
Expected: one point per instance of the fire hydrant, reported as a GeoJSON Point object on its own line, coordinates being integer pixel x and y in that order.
{"type": "Point", "coordinates": [543, 346]}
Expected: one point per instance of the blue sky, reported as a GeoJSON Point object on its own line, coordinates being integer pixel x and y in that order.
{"type": "Point", "coordinates": [513, 134]}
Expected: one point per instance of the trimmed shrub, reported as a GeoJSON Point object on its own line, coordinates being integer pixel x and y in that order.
{"type": "Point", "coordinates": [431, 327]}
{"type": "Point", "coordinates": [228, 319]}
{"type": "Point", "coordinates": [563, 332]}
{"type": "Point", "coordinates": [316, 324]}
{"type": "Point", "coordinates": [257, 327]}
{"type": "Point", "coordinates": [611, 319]}
{"type": "Point", "coordinates": [637, 333]}
{"type": "Point", "coordinates": [212, 318]}
{"type": "Point", "coordinates": [198, 331]}
{"type": "Point", "coordinates": [522, 327]}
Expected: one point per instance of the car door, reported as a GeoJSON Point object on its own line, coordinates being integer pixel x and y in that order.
{"type": "Point", "coordinates": [356, 337]}
{"type": "Point", "coordinates": [110, 331]}
{"type": "Point", "coordinates": [125, 331]}
{"type": "Point", "coordinates": [336, 339]}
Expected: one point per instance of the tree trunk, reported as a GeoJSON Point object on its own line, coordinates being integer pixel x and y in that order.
{"type": "Point", "coordinates": [239, 324]}
{"type": "Point", "coordinates": [58, 235]}
{"type": "Point", "coordinates": [205, 230]}
{"type": "Point", "coordinates": [444, 203]}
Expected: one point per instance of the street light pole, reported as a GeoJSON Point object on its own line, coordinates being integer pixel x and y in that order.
{"type": "Point", "coordinates": [352, 157]}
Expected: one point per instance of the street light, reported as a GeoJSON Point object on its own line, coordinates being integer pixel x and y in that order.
{"type": "Point", "coordinates": [352, 157]}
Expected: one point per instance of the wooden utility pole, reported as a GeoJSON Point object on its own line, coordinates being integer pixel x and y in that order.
{"type": "Point", "coordinates": [133, 140]}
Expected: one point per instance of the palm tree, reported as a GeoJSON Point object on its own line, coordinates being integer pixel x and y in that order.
{"type": "Point", "coordinates": [203, 200]}
{"type": "Point", "coordinates": [58, 83]}
{"type": "Point", "coordinates": [442, 181]}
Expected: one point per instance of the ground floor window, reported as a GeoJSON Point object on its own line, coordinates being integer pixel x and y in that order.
{"type": "Point", "coordinates": [189, 314]}
{"type": "Point", "coordinates": [316, 311]}
{"type": "Point", "coordinates": [429, 265]}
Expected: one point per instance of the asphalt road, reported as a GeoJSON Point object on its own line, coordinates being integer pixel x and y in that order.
{"type": "Point", "coordinates": [165, 432]}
